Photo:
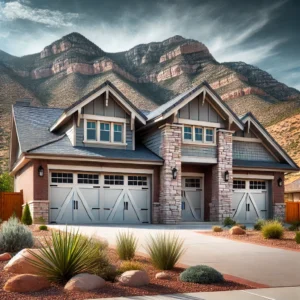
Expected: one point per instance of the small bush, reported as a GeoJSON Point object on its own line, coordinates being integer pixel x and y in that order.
{"type": "Point", "coordinates": [26, 216]}
{"type": "Point", "coordinates": [164, 250]}
{"type": "Point", "coordinates": [297, 237]}
{"type": "Point", "coordinates": [126, 245]}
{"type": "Point", "coordinates": [259, 224]}
{"type": "Point", "coordinates": [129, 266]}
{"type": "Point", "coordinates": [68, 254]}
{"type": "Point", "coordinates": [15, 236]}
{"type": "Point", "coordinates": [295, 226]}
{"type": "Point", "coordinates": [228, 222]}
{"type": "Point", "coordinates": [272, 230]}
{"type": "Point", "coordinates": [201, 274]}
{"type": "Point", "coordinates": [242, 226]}
{"type": "Point", "coordinates": [217, 229]}
{"type": "Point", "coordinates": [40, 220]}
{"type": "Point", "coordinates": [43, 228]}
{"type": "Point", "coordinates": [104, 269]}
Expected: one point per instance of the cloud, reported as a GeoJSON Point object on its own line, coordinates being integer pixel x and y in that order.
{"type": "Point", "coordinates": [19, 10]}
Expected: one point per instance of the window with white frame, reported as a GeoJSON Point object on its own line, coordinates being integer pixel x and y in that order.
{"type": "Point", "coordinates": [199, 134]}
{"type": "Point", "coordinates": [105, 132]}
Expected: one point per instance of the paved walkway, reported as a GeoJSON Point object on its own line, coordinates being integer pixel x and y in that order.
{"type": "Point", "coordinates": [265, 265]}
{"type": "Point", "coordinates": [291, 293]}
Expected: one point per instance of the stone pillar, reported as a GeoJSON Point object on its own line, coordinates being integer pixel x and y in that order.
{"type": "Point", "coordinates": [170, 189]}
{"type": "Point", "coordinates": [39, 209]}
{"type": "Point", "coordinates": [279, 211]}
{"type": "Point", "coordinates": [220, 206]}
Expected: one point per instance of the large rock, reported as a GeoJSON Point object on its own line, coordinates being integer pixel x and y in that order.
{"type": "Point", "coordinates": [5, 256]}
{"type": "Point", "coordinates": [236, 230]}
{"type": "Point", "coordinates": [163, 276]}
{"type": "Point", "coordinates": [20, 265]}
{"type": "Point", "coordinates": [134, 278]}
{"type": "Point", "coordinates": [26, 283]}
{"type": "Point", "coordinates": [84, 282]}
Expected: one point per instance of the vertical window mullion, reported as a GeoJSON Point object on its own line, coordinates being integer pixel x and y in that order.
{"type": "Point", "coordinates": [112, 131]}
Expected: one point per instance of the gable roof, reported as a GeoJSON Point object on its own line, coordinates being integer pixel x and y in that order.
{"type": "Point", "coordinates": [106, 86]}
{"type": "Point", "coordinates": [250, 117]}
{"type": "Point", "coordinates": [176, 103]}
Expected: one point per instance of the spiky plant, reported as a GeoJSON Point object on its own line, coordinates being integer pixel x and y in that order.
{"type": "Point", "coordinates": [126, 245]}
{"type": "Point", "coordinates": [165, 250]}
{"type": "Point", "coordinates": [66, 255]}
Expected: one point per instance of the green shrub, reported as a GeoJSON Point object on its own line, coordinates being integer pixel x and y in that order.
{"type": "Point", "coordinates": [272, 230]}
{"type": "Point", "coordinates": [201, 274]}
{"type": "Point", "coordinates": [26, 215]}
{"type": "Point", "coordinates": [259, 224]}
{"type": "Point", "coordinates": [67, 255]}
{"type": "Point", "coordinates": [6, 183]}
{"type": "Point", "coordinates": [244, 227]}
{"type": "Point", "coordinates": [40, 220]}
{"type": "Point", "coordinates": [295, 226]}
{"type": "Point", "coordinates": [126, 245]}
{"type": "Point", "coordinates": [43, 228]}
{"type": "Point", "coordinates": [297, 237]}
{"type": "Point", "coordinates": [14, 236]}
{"type": "Point", "coordinates": [217, 229]}
{"type": "Point", "coordinates": [130, 265]}
{"type": "Point", "coordinates": [228, 222]}
{"type": "Point", "coordinates": [104, 269]}
{"type": "Point", "coordinates": [164, 250]}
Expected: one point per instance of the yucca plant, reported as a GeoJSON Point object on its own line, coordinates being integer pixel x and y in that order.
{"type": "Point", "coordinates": [126, 245]}
{"type": "Point", "coordinates": [164, 250]}
{"type": "Point", "coordinates": [68, 254]}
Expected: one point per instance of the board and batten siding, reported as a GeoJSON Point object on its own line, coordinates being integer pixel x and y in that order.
{"type": "Point", "coordinates": [153, 141]}
{"type": "Point", "coordinates": [199, 111]}
{"type": "Point", "coordinates": [251, 151]}
{"type": "Point", "coordinates": [199, 151]}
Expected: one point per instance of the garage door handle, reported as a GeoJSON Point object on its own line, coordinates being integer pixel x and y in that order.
{"type": "Point", "coordinates": [125, 205]}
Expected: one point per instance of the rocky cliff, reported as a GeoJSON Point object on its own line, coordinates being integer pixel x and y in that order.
{"type": "Point", "coordinates": [148, 74]}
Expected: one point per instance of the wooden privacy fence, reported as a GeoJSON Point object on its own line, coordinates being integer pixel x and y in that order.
{"type": "Point", "coordinates": [10, 203]}
{"type": "Point", "coordinates": [292, 211]}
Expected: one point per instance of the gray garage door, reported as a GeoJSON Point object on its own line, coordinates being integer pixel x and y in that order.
{"type": "Point", "coordinates": [250, 200]}
{"type": "Point", "coordinates": [83, 198]}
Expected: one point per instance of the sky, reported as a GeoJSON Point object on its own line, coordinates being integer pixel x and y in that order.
{"type": "Point", "coordinates": [265, 33]}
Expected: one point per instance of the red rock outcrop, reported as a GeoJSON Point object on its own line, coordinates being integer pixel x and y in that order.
{"type": "Point", "coordinates": [242, 92]}
{"type": "Point", "coordinates": [227, 80]}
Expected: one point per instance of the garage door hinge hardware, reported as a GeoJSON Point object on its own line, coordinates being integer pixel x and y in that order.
{"type": "Point", "coordinates": [53, 184]}
{"type": "Point", "coordinates": [96, 208]}
{"type": "Point", "coordinates": [107, 187]}
{"type": "Point", "coordinates": [54, 207]}
{"type": "Point", "coordinates": [96, 186]}
{"type": "Point", "coordinates": [145, 222]}
{"type": "Point", "coordinates": [263, 210]}
{"type": "Point", "coordinates": [144, 188]}
{"type": "Point", "coordinates": [106, 208]}
{"type": "Point", "coordinates": [144, 208]}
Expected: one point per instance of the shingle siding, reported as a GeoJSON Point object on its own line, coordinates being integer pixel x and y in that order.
{"type": "Point", "coordinates": [251, 152]}
{"type": "Point", "coordinates": [153, 141]}
{"type": "Point", "coordinates": [199, 151]}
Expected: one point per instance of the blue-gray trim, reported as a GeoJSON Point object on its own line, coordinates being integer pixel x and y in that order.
{"type": "Point", "coordinates": [261, 164]}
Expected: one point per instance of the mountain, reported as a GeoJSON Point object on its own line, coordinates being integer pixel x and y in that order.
{"type": "Point", "coordinates": [148, 74]}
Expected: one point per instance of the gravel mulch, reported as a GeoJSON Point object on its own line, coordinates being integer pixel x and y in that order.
{"type": "Point", "coordinates": [116, 289]}
{"type": "Point", "coordinates": [287, 242]}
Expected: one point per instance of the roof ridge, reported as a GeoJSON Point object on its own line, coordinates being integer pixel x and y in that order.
{"type": "Point", "coordinates": [30, 106]}
{"type": "Point", "coordinates": [46, 143]}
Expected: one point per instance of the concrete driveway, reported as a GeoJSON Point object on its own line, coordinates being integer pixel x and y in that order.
{"type": "Point", "coordinates": [264, 265]}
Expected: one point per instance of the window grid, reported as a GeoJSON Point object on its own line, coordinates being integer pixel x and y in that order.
{"type": "Point", "coordinates": [88, 179]}
{"type": "Point", "coordinates": [91, 131]}
{"type": "Point", "coordinates": [118, 132]}
{"type": "Point", "coordinates": [209, 135]}
{"type": "Point", "coordinates": [192, 183]}
{"type": "Point", "coordinates": [188, 133]}
{"type": "Point", "coordinates": [61, 177]}
{"type": "Point", "coordinates": [199, 134]}
{"type": "Point", "coordinates": [257, 185]}
{"type": "Point", "coordinates": [114, 179]}
{"type": "Point", "coordinates": [104, 132]}
{"type": "Point", "coordinates": [239, 184]}
{"type": "Point", "coordinates": [137, 180]}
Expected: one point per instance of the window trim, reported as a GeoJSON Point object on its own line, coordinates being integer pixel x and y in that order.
{"type": "Point", "coordinates": [95, 122]}
{"type": "Point", "coordinates": [119, 121]}
{"type": "Point", "coordinates": [196, 142]}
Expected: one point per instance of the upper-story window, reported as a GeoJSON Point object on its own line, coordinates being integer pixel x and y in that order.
{"type": "Point", "coordinates": [199, 134]}
{"type": "Point", "coordinates": [105, 132]}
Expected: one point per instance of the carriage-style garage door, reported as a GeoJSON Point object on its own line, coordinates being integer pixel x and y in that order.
{"type": "Point", "coordinates": [250, 200]}
{"type": "Point", "coordinates": [83, 198]}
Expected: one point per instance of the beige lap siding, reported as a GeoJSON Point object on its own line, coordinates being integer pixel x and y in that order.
{"type": "Point", "coordinates": [24, 181]}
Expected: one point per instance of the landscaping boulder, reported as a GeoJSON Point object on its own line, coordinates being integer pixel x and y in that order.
{"type": "Point", "coordinates": [134, 278]}
{"type": "Point", "coordinates": [163, 276]}
{"type": "Point", "coordinates": [5, 256]}
{"type": "Point", "coordinates": [20, 265]}
{"type": "Point", "coordinates": [84, 282]}
{"type": "Point", "coordinates": [236, 230]}
{"type": "Point", "coordinates": [26, 283]}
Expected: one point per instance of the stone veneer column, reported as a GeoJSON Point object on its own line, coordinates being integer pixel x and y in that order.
{"type": "Point", "coordinates": [38, 209]}
{"type": "Point", "coordinates": [170, 189]}
{"type": "Point", "coordinates": [279, 211]}
{"type": "Point", "coordinates": [220, 206]}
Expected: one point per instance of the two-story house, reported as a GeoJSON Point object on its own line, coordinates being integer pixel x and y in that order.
{"type": "Point", "coordinates": [102, 160]}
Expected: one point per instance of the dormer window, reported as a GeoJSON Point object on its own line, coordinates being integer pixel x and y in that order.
{"type": "Point", "coordinates": [197, 134]}
{"type": "Point", "coordinates": [105, 132]}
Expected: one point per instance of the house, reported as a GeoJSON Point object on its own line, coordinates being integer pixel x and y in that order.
{"type": "Point", "coordinates": [292, 191]}
{"type": "Point", "coordinates": [102, 160]}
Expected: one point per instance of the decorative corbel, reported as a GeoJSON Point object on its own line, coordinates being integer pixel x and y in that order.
{"type": "Point", "coordinates": [248, 129]}
{"type": "Point", "coordinates": [204, 95]}
{"type": "Point", "coordinates": [79, 116]}
{"type": "Point", "coordinates": [132, 121]}
{"type": "Point", "coordinates": [230, 121]}
{"type": "Point", "coordinates": [106, 97]}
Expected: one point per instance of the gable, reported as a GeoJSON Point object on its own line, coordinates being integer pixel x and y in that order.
{"type": "Point", "coordinates": [101, 107]}
{"type": "Point", "coordinates": [200, 110]}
